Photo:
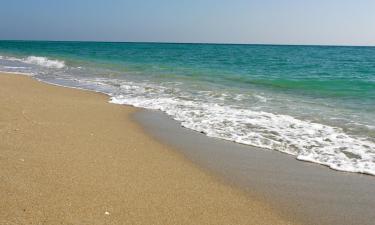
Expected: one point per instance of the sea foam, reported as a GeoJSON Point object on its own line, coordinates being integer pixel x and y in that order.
{"type": "Point", "coordinates": [45, 62]}
{"type": "Point", "coordinates": [308, 141]}
{"type": "Point", "coordinates": [37, 60]}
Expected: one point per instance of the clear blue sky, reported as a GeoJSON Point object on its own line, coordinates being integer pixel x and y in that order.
{"type": "Point", "coordinates": [340, 22]}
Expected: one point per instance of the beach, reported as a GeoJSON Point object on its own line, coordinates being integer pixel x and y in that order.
{"type": "Point", "coordinates": [306, 101]}
{"type": "Point", "coordinates": [186, 113]}
{"type": "Point", "coordinates": [307, 192]}
{"type": "Point", "coordinates": [67, 156]}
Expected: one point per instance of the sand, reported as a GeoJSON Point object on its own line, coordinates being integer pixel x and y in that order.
{"type": "Point", "coordinates": [309, 192]}
{"type": "Point", "coordinates": [68, 156]}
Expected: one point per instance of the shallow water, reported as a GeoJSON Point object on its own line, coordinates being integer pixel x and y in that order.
{"type": "Point", "coordinates": [314, 102]}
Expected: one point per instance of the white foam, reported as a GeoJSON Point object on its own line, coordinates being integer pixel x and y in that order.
{"type": "Point", "coordinates": [15, 67]}
{"type": "Point", "coordinates": [261, 98]}
{"type": "Point", "coordinates": [308, 141]}
{"type": "Point", "coordinates": [17, 73]}
{"type": "Point", "coordinates": [45, 62]}
{"type": "Point", "coordinates": [37, 60]}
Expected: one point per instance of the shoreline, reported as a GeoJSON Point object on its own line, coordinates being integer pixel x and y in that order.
{"type": "Point", "coordinates": [311, 193]}
{"type": "Point", "coordinates": [260, 121]}
{"type": "Point", "coordinates": [69, 156]}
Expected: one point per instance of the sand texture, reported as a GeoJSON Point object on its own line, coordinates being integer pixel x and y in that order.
{"type": "Point", "coordinates": [69, 157]}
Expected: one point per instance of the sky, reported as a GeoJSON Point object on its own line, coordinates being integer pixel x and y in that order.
{"type": "Point", "coordinates": [321, 22]}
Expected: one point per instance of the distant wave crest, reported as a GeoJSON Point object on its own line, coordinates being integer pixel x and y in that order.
{"type": "Point", "coordinates": [45, 62]}
{"type": "Point", "coordinates": [37, 60]}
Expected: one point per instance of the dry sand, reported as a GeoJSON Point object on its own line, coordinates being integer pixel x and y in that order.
{"type": "Point", "coordinates": [69, 157]}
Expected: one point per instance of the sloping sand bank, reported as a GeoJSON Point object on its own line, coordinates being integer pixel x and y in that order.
{"type": "Point", "coordinates": [69, 157]}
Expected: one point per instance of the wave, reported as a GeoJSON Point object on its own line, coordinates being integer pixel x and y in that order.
{"type": "Point", "coordinates": [306, 140]}
{"type": "Point", "coordinates": [38, 60]}
{"type": "Point", "coordinates": [45, 62]}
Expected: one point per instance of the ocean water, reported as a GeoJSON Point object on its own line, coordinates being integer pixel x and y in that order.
{"type": "Point", "coordinates": [314, 102]}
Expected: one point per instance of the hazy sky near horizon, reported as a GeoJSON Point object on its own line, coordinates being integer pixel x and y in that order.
{"type": "Point", "coordinates": [332, 22]}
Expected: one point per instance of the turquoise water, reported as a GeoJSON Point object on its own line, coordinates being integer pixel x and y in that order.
{"type": "Point", "coordinates": [314, 102]}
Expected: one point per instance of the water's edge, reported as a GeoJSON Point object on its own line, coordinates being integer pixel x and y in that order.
{"type": "Point", "coordinates": [302, 190]}
{"type": "Point", "coordinates": [250, 116]}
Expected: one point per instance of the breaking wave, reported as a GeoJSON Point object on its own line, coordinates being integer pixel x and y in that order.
{"type": "Point", "coordinates": [308, 141]}
{"type": "Point", "coordinates": [45, 62]}
{"type": "Point", "coordinates": [37, 60]}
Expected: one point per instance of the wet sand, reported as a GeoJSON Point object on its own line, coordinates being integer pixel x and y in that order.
{"type": "Point", "coordinates": [69, 157]}
{"type": "Point", "coordinates": [312, 193]}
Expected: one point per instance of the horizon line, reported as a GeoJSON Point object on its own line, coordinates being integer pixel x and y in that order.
{"type": "Point", "coordinates": [189, 43]}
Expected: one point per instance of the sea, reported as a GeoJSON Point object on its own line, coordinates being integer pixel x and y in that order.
{"type": "Point", "coordinates": [316, 103]}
